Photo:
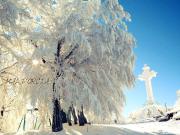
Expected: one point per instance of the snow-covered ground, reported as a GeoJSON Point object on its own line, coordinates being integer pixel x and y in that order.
{"type": "Point", "coordinates": [151, 128]}
{"type": "Point", "coordinates": [170, 128]}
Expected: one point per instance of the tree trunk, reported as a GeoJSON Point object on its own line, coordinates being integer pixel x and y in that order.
{"type": "Point", "coordinates": [57, 120]}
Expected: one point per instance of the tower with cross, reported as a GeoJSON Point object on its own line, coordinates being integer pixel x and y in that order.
{"type": "Point", "coordinates": [146, 76]}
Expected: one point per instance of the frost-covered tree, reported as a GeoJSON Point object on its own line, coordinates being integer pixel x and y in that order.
{"type": "Point", "coordinates": [95, 61]}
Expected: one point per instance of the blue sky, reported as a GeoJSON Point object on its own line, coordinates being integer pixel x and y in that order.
{"type": "Point", "coordinates": [156, 27]}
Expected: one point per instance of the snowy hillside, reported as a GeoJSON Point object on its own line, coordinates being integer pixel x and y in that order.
{"type": "Point", "coordinates": [152, 128]}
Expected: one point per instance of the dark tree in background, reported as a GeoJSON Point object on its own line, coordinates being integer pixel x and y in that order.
{"type": "Point", "coordinates": [69, 116]}
{"type": "Point", "coordinates": [63, 116]}
{"type": "Point", "coordinates": [83, 116]}
{"type": "Point", "coordinates": [74, 114]}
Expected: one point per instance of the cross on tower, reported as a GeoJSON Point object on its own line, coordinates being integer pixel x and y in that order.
{"type": "Point", "coordinates": [146, 76]}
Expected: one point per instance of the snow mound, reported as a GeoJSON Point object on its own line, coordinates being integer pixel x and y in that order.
{"type": "Point", "coordinates": [146, 113]}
